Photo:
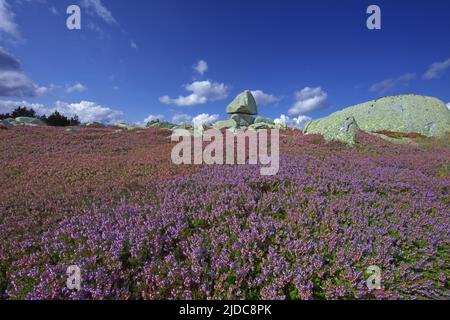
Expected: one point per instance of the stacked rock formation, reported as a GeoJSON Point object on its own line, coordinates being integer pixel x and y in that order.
{"type": "Point", "coordinates": [243, 110]}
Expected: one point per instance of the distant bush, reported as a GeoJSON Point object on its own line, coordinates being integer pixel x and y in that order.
{"type": "Point", "coordinates": [56, 119]}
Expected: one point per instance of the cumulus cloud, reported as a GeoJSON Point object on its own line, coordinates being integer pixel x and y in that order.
{"type": "Point", "coordinates": [448, 106]}
{"type": "Point", "coordinates": [13, 81]}
{"type": "Point", "coordinates": [308, 100]}
{"type": "Point", "coordinates": [95, 7]}
{"type": "Point", "coordinates": [87, 111]}
{"type": "Point", "coordinates": [204, 118]}
{"type": "Point", "coordinates": [152, 117]}
{"type": "Point", "coordinates": [181, 118]}
{"type": "Point", "coordinates": [388, 85]}
{"type": "Point", "coordinates": [201, 67]}
{"type": "Point", "coordinates": [263, 98]}
{"type": "Point", "coordinates": [7, 25]}
{"type": "Point", "coordinates": [298, 122]}
{"type": "Point", "coordinates": [436, 70]}
{"type": "Point", "coordinates": [202, 93]}
{"type": "Point", "coordinates": [77, 87]}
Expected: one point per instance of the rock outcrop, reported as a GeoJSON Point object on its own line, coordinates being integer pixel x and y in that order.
{"type": "Point", "coordinates": [23, 121]}
{"type": "Point", "coordinates": [243, 110]}
{"type": "Point", "coordinates": [426, 116]}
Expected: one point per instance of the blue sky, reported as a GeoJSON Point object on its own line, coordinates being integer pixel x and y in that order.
{"type": "Point", "coordinates": [133, 59]}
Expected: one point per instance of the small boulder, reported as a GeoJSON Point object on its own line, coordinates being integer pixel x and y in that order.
{"type": "Point", "coordinates": [5, 124]}
{"type": "Point", "coordinates": [259, 126]}
{"type": "Point", "coordinates": [244, 103]}
{"type": "Point", "coordinates": [95, 124]}
{"type": "Point", "coordinates": [243, 120]}
{"type": "Point", "coordinates": [160, 124]}
{"type": "Point", "coordinates": [226, 124]}
{"type": "Point", "coordinates": [344, 131]}
{"type": "Point", "coordinates": [260, 119]}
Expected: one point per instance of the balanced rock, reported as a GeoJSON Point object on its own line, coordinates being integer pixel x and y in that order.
{"type": "Point", "coordinates": [404, 113]}
{"type": "Point", "coordinates": [244, 103]}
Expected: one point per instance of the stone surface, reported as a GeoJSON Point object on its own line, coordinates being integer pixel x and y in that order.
{"type": "Point", "coordinates": [5, 124]}
{"type": "Point", "coordinates": [126, 126]}
{"type": "Point", "coordinates": [243, 120]}
{"type": "Point", "coordinates": [344, 131]}
{"type": "Point", "coordinates": [226, 124]}
{"type": "Point", "coordinates": [244, 103]}
{"type": "Point", "coordinates": [404, 113]}
{"type": "Point", "coordinates": [160, 124]}
{"type": "Point", "coordinates": [95, 125]}
{"type": "Point", "coordinates": [27, 121]}
{"type": "Point", "coordinates": [260, 119]}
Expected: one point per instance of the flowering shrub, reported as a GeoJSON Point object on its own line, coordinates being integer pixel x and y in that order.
{"type": "Point", "coordinates": [141, 228]}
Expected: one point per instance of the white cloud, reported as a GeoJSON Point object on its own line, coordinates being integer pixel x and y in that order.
{"type": "Point", "coordinates": [308, 100]}
{"type": "Point", "coordinates": [298, 122]}
{"type": "Point", "coordinates": [77, 87]}
{"type": "Point", "coordinates": [202, 92]}
{"type": "Point", "coordinates": [13, 81]}
{"type": "Point", "coordinates": [448, 106]}
{"type": "Point", "coordinates": [133, 44]}
{"type": "Point", "coordinates": [263, 98]}
{"type": "Point", "coordinates": [96, 7]}
{"type": "Point", "coordinates": [388, 85]}
{"type": "Point", "coordinates": [152, 117]}
{"type": "Point", "coordinates": [201, 67]}
{"type": "Point", "coordinates": [181, 118]}
{"type": "Point", "coordinates": [204, 118]}
{"type": "Point", "coordinates": [436, 70]}
{"type": "Point", "coordinates": [87, 111]}
{"type": "Point", "coordinates": [7, 24]}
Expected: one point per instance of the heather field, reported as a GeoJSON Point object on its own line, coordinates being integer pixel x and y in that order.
{"type": "Point", "coordinates": [140, 227]}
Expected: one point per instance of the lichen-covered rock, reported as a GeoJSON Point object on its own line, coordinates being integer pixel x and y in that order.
{"type": "Point", "coordinates": [226, 124]}
{"type": "Point", "coordinates": [244, 103]}
{"type": "Point", "coordinates": [126, 126]}
{"type": "Point", "coordinates": [160, 124]}
{"type": "Point", "coordinates": [260, 119]}
{"type": "Point", "coordinates": [344, 131]}
{"type": "Point", "coordinates": [27, 121]}
{"type": "Point", "coordinates": [5, 124]}
{"type": "Point", "coordinates": [404, 113]}
{"type": "Point", "coordinates": [243, 120]}
{"type": "Point", "coordinates": [260, 125]}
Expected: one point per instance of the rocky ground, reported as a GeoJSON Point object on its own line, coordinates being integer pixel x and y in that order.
{"type": "Point", "coordinates": [140, 227]}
